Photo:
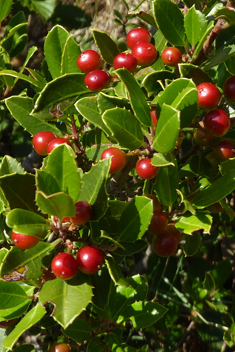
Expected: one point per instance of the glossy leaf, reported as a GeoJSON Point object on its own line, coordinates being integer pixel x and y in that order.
{"type": "Point", "coordinates": [192, 243]}
{"type": "Point", "coordinates": [9, 166]}
{"type": "Point", "coordinates": [79, 330]}
{"type": "Point", "coordinates": [199, 46]}
{"type": "Point", "coordinates": [107, 47]}
{"type": "Point", "coordinates": [58, 204]}
{"type": "Point", "coordinates": [11, 294]}
{"type": "Point", "coordinates": [137, 97]}
{"type": "Point", "coordinates": [125, 128]}
{"type": "Point", "coordinates": [151, 81]}
{"type": "Point", "coordinates": [192, 25]}
{"type": "Point", "coordinates": [18, 75]}
{"type": "Point", "coordinates": [190, 223]}
{"type": "Point", "coordinates": [115, 271]}
{"type": "Point", "coordinates": [166, 184]}
{"type": "Point", "coordinates": [106, 102]}
{"type": "Point", "coordinates": [61, 293]}
{"type": "Point", "coordinates": [161, 160]}
{"type": "Point", "coordinates": [44, 8]}
{"type": "Point", "coordinates": [220, 56]}
{"type": "Point", "coordinates": [26, 222]}
{"type": "Point", "coordinates": [5, 8]}
{"type": "Point", "coordinates": [167, 130]}
{"type": "Point", "coordinates": [170, 21]}
{"type": "Point", "coordinates": [135, 219]}
{"type": "Point", "coordinates": [194, 72]}
{"type": "Point", "coordinates": [94, 188]}
{"type": "Point", "coordinates": [227, 14]}
{"type": "Point", "coordinates": [187, 104]}
{"type": "Point", "coordinates": [30, 319]}
{"type": "Point", "coordinates": [46, 183]}
{"type": "Point", "coordinates": [20, 108]}
{"type": "Point", "coordinates": [70, 54]}
{"type": "Point", "coordinates": [227, 166]}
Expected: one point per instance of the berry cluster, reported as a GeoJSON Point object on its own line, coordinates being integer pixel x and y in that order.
{"type": "Point", "coordinates": [45, 141]}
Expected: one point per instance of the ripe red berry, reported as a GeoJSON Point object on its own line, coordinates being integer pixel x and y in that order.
{"type": "Point", "coordinates": [83, 213]}
{"type": "Point", "coordinates": [165, 244]}
{"type": "Point", "coordinates": [208, 95]}
{"type": "Point", "coordinates": [202, 137]}
{"type": "Point", "coordinates": [64, 266]}
{"type": "Point", "coordinates": [97, 80]}
{"type": "Point", "coordinates": [118, 160]}
{"type": "Point", "coordinates": [41, 141]}
{"type": "Point", "coordinates": [171, 56]}
{"type": "Point", "coordinates": [145, 53]}
{"type": "Point", "coordinates": [60, 347]}
{"type": "Point", "coordinates": [145, 169]}
{"type": "Point", "coordinates": [229, 88]}
{"type": "Point", "coordinates": [156, 204]}
{"type": "Point", "coordinates": [158, 222]}
{"type": "Point", "coordinates": [153, 115]}
{"type": "Point", "coordinates": [171, 228]}
{"type": "Point", "coordinates": [217, 122]}
{"type": "Point", "coordinates": [90, 259]}
{"type": "Point", "coordinates": [125, 60]}
{"type": "Point", "coordinates": [224, 150]}
{"type": "Point", "coordinates": [55, 142]}
{"type": "Point", "coordinates": [24, 241]}
{"type": "Point", "coordinates": [88, 61]}
{"type": "Point", "coordinates": [136, 36]}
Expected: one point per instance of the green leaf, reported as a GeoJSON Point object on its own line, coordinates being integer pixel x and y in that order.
{"type": "Point", "coordinates": [161, 160]}
{"type": "Point", "coordinates": [11, 295]}
{"type": "Point", "coordinates": [54, 47]}
{"type": "Point", "coordinates": [69, 58]}
{"type": "Point", "coordinates": [58, 204]}
{"type": "Point", "coordinates": [95, 345]}
{"type": "Point", "coordinates": [190, 223]}
{"type": "Point", "coordinates": [107, 47]}
{"type": "Point", "coordinates": [187, 104]}
{"type": "Point", "coordinates": [27, 222]}
{"type": "Point", "coordinates": [216, 191]}
{"type": "Point", "coordinates": [125, 128]}
{"type": "Point", "coordinates": [135, 219]}
{"type": "Point", "coordinates": [148, 18]}
{"type": "Point", "coordinates": [192, 26]}
{"type": "Point", "coordinates": [45, 8]}
{"type": "Point", "coordinates": [170, 21]}
{"type": "Point", "coordinates": [227, 14]}
{"type": "Point", "coordinates": [46, 183]}
{"type": "Point", "coordinates": [30, 319]}
{"type": "Point", "coordinates": [20, 108]}
{"type": "Point", "coordinates": [28, 79]}
{"type": "Point", "coordinates": [61, 165]}
{"type": "Point", "coordinates": [192, 243]}
{"type": "Point", "coordinates": [167, 130]}
{"type": "Point", "coordinates": [26, 265]}
{"type": "Point", "coordinates": [194, 72]}
{"type": "Point", "coordinates": [115, 343]}
{"type": "Point", "coordinates": [166, 184]}
{"type": "Point", "coordinates": [79, 330]}
{"type": "Point", "coordinates": [19, 190]}
{"type": "Point", "coordinates": [106, 102]}
{"type": "Point", "coordinates": [5, 8]}
{"type": "Point", "coordinates": [60, 90]}
{"type": "Point", "coordinates": [88, 108]}
{"type": "Point", "coordinates": [226, 166]}
{"type": "Point", "coordinates": [115, 271]}
{"type": "Point", "coordinates": [143, 314]}
{"type": "Point", "coordinates": [137, 97]}
{"type": "Point", "coordinates": [199, 46]}
{"type": "Point", "coordinates": [151, 80]}
{"type": "Point", "coordinates": [9, 166]}
{"type": "Point", "coordinates": [94, 188]}
{"type": "Point", "coordinates": [219, 57]}
{"type": "Point", "coordinates": [61, 293]}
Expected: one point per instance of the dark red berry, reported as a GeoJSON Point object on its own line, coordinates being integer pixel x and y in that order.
{"type": "Point", "coordinates": [165, 244]}
{"type": "Point", "coordinates": [55, 142]}
{"type": "Point", "coordinates": [60, 347]}
{"type": "Point", "coordinates": [158, 222]}
{"type": "Point", "coordinates": [145, 53]}
{"type": "Point", "coordinates": [229, 88]}
{"type": "Point", "coordinates": [224, 150]}
{"type": "Point", "coordinates": [88, 61]}
{"type": "Point", "coordinates": [208, 96]}
{"type": "Point", "coordinates": [64, 266]}
{"type": "Point", "coordinates": [118, 160]}
{"type": "Point", "coordinates": [24, 241]}
{"type": "Point", "coordinates": [156, 204]}
{"type": "Point", "coordinates": [136, 36]}
{"type": "Point", "coordinates": [125, 60]}
{"type": "Point", "coordinates": [97, 80]}
{"type": "Point", "coordinates": [171, 56]}
{"type": "Point", "coordinates": [41, 141]}
{"type": "Point", "coordinates": [83, 213]}
{"type": "Point", "coordinates": [217, 122]}
{"type": "Point", "coordinates": [90, 259]}
{"type": "Point", "coordinates": [145, 169]}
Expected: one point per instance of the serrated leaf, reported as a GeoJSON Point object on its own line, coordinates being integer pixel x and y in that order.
{"type": "Point", "coordinates": [161, 160]}
{"type": "Point", "coordinates": [58, 204]}
{"type": "Point", "coordinates": [79, 330]}
{"type": "Point", "coordinates": [187, 104]}
{"type": "Point", "coordinates": [167, 130]}
{"type": "Point", "coordinates": [194, 72]}
{"type": "Point", "coordinates": [190, 223]}
{"type": "Point", "coordinates": [46, 183]}
{"type": "Point", "coordinates": [106, 102]}
{"type": "Point", "coordinates": [216, 191]}
{"type": "Point", "coordinates": [137, 98]}
{"type": "Point", "coordinates": [115, 271]}
{"type": "Point", "coordinates": [166, 184]}
{"type": "Point", "coordinates": [30, 319]}
{"type": "Point", "coordinates": [192, 26]}
{"type": "Point", "coordinates": [20, 108]}
{"type": "Point", "coordinates": [88, 108]}
{"type": "Point", "coordinates": [107, 47]}
{"type": "Point", "coordinates": [5, 8]}
{"type": "Point", "coordinates": [11, 295]}
{"type": "Point", "coordinates": [27, 222]}
{"type": "Point", "coordinates": [135, 219]}
{"type": "Point", "coordinates": [69, 58]}
{"type": "Point", "coordinates": [151, 81]}
{"type": "Point", "coordinates": [125, 128]}
{"type": "Point", "coordinates": [170, 21]}
{"type": "Point", "coordinates": [219, 57]}
{"type": "Point", "coordinates": [94, 188]}
{"type": "Point", "coordinates": [9, 166]}
{"type": "Point", "coordinates": [62, 167]}
{"type": "Point", "coordinates": [61, 293]}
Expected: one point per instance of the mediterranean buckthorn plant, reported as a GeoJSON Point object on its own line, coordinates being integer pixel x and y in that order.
{"type": "Point", "coordinates": [117, 180]}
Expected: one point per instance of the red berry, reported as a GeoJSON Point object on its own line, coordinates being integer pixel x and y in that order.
{"type": "Point", "coordinates": [64, 266]}
{"type": "Point", "coordinates": [156, 204]}
{"type": "Point", "coordinates": [224, 150]}
{"type": "Point", "coordinates": [83, 213]}
{"type": "Point", "coordinates": [88, 61]}
{"type": "Point", "coordinates": [229, 88]}
{"type": "Point", "coordinates": [215, 208]}
{"type": "Point", "coordinates": [55, 142]}
{"type": "Point", "coordinates": [171, 56]}
{"type": "Point", "coordinates": [41, 141]}
{"type": "Point", "coordinates": [118, 160]}
{"type": "Point", "coordinates": [165, 244]}
{"type": "Point", "coordinates": [136, 36]}
{"type": "Point", "coordinates": [24, 241]}
{"type": "Point", "coordinates": [145, 169]}
{"type": "Point", "coordinates": [158, 222]}
{"type": "Point", "coordinates": [153, 115]}
{"type": "Point", "coordinates": [217, 122]}
{"type": "Point", "coordinates": [7, 323]}
{"type": "Point", "coordinates": [208, 95]}
{"type": "Point", "coordinates": [202, 137]}
{"type": "Point", "coordinates": [171, 228]}
{"type": "Point", "coordinates": [97, 80]}
{"type": "Point", "coordinates": [145, 53]}
{"type": "Point", "coordinates": [90, 259]}
{"type": "Point", "coordinates": [60, 347]}
{"type": "Point", "coordinates": [125, 60]}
